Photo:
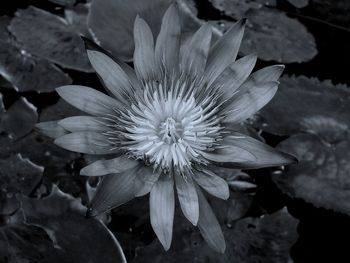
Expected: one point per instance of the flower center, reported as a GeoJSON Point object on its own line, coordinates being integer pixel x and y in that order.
{"type": "Point", "coordinates": [170, 131]}
{"type": "Point", "coordinates": [168, 127]}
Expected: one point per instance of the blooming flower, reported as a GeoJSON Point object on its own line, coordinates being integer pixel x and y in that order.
{"type": "Point", "coordinates": [167, 123]}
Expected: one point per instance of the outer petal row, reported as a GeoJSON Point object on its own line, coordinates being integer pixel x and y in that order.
{"type": "Point", "coordinates": [251, 153]}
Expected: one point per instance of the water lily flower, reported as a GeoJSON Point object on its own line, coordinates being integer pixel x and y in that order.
{"type": "Point", "coordinates": [166, 124]}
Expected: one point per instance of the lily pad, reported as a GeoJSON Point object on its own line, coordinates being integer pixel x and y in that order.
{"type": "Point", "coordinates": [266, 239]}
{"type": "Point", "coordinates": [308, 105]}
{"type": "Point", "coordinates": [24, 71]}
{"type": "Point", "coordinates": [112, 21]}
{"type": "Point", "coordinates": [322, 176]}
{"type": "Point", "coordinates": [76, 238]}
{"type": "Point", "coordinates": [51, 37]}
{"type": "Point", "coordinates": [268, 32]}
{"type": "Point", "coordinates": [19, 119]}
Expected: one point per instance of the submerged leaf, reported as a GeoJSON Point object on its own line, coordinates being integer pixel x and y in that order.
{"type": "Point", "coordinates": [51, 37]}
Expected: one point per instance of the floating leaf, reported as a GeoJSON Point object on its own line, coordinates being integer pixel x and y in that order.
{"type": "Point", "coordinates": [266, 239]}
{"type": "Point", "coordinates": [51, 37]}
{"type": "Point", "coordinates": [76, 238]}
{"type": "Point", "coordinates": [308, 105]}
{"type": "Point", "coordinates": [322, 175]}
{"type": "Point", "coordinates": [19, 119]}
{"type": "Point", "coordinates": [112, 22]}
{"type": "Point", "coordinates": [268, 32]}
{"type": "Point", "coordinates": [24, 71]}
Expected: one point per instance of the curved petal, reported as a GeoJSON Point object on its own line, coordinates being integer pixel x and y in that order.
{"type": "Point", "coordinates": [248, 101]}
{"type": "Point", "coordinates": [228, 153]}
{"type": "Point", "coordinates": [88, 100]}
{"type": "Point", "coordinates": [212, 183]}
{"type": "Point", "coordinates": [90, 45]}
{"type": "Point", "coordinates": [168, 41]}
{"type": "Point", "coordinates": [114, 78]}
{"type": "Point", "coordinates": [144, 50]}
{"type": "Point", "coordinates": [234, 75]}
{"type": "Point", "coordinates": [263, 155]}
{"type": "Point", "coordinates": [271, 73]}
{"type": "Point", "coordinates": [224, 51]}
{"type": "Point", "coordinates": [51, 129]}
{"type": "Point", "coordinates": [112, 166]}
{"type": "Point", "coordinates": [85, 142]}
{"type": "Point", "coordinates": [83, 123]}
{"type": "Point", "coordinates": [188, 198]}
{"type": "Point", "coordinates": [195, 53]}
{"type": "Point", "coordinates": [162, 206]}
{"type": "Point", "coordinates": [209, 225]}
{"type": "Point", "coordinates": [113, 191]}
{"type": "Point", "coordinates": [144, 181]}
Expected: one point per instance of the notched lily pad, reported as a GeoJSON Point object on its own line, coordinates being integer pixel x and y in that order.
{"type": "Point", "coordinates": [268, 32]}
{"type": "Point", "coordinates": [51, 37]}
{"type": "Point", "coordinates": [76, 238]}
{"type": "Point", "coordinates": [24, 71]}
{"type": "Point", "coordinates": [308, 105]}
{"type": "Point", "coordinates": [19, 119]}
{"type": "Point", "coordinates": [266, 239]}
{"type": "Point", "coordinates": [322, 176]}
{"type": "Point", "coordinates": [17, 175]}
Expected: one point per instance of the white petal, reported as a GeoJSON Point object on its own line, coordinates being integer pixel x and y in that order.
{"type": "Point", "coordinates": [144, 50]}
{"type": "Point", "coordinates": [224, 51]}
{"type": "Point", "coordinates": [212, 183]}
{"type": "Point", "coordinates": [103, 167]}
{"type": "Point", "coordinates": [195, 53]}
{"type": "Point", "coordinates": [113, 191]}
{"type": "Point", "coordinates": [162, 206]}
{"type": "Point", "coordinates": [85, 142]}
{"type": "Point", "coordinates": [168, 41]}
{"type": "Point", "coordinates": [114, 78]}
{"type": "Point", "coordinates": [250, 100]}
{"type": "Point", "coordinates": [209, 225]}
{"type": "Point", "coordinates": [83, 123]}
{"type": "Point", "coordinates": [144, 181]}
{"type": "Point", "coordinates": [88, 100]}
{"type": "Point", "coordinates": [188, 198]}
{"type": "Point", "coordinates": [235, 74]}
{"type": "Point", "coordinates": [51, 129]}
